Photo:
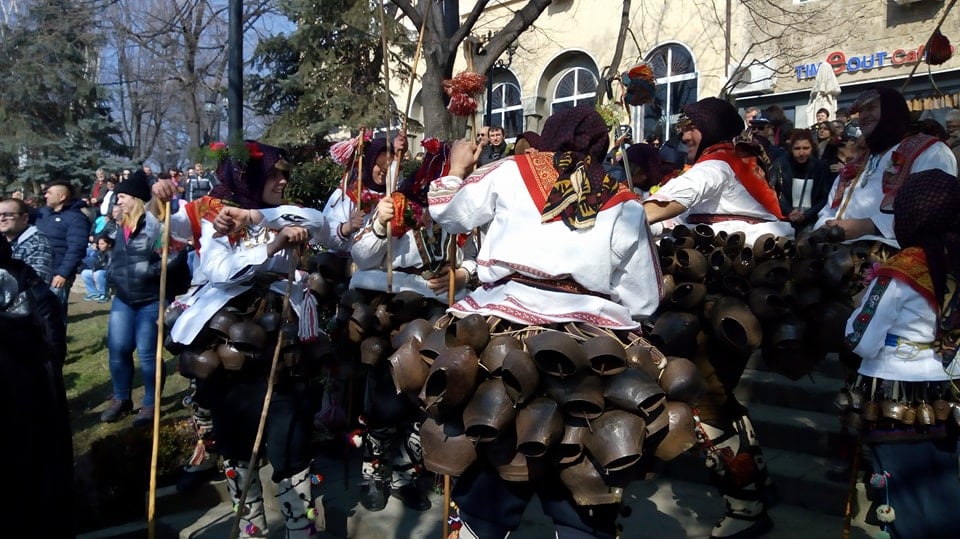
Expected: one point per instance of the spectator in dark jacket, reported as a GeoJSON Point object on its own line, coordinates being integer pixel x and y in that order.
{"type": "Point", "coordinates": [33, 403]}
{"type": "Point", "coordinates": [802, 181]}
{"type": "Point", "coordinates": [134, 273]}
{"type": "Point", "coordinates": [28, 243]}
{"type": "Point", "coordinates": [65, 226]}
{"type": "Point", "coordinates": [496, 149]}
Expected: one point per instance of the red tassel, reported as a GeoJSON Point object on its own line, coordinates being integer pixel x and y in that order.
{"type": "Point", "coordinates": [938, 48]}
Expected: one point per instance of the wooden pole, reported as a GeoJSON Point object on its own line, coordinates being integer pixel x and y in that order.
{"type": "Point", "coordinates": [851, 490]}
{"type": "Point", "coordinates": [939, 24]}
{"type": "Point", "coordinates": [446, 505]}
{"type": "Point", "coordinates": [451, 296]}
{"type": "Point", "coordinates": [388, 97]}
{"type": "Point", "coordinates": [416, 61]}
{"type": "Point", "coordinates": [158, 377]}
{"type": "Point", "coordinates": [255, 454]}
{"type": "Point", "coordinates": [359, 163]}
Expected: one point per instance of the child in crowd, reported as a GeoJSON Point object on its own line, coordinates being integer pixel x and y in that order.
{"type": "Point", "coordinates": [94, 275]}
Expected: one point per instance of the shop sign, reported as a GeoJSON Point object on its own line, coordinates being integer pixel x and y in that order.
{"type": "Point", "coordinates": [842, 63]}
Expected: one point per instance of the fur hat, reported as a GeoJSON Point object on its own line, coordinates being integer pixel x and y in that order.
{"type": "Point", "coordinates": [136, 186]}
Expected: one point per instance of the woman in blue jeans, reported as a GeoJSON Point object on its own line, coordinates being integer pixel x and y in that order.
{"type": "Point", "coordinates": [134, 273]}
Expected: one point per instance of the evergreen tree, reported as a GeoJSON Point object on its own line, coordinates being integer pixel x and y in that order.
{"type": "Point", "coordinates": [327, 74]}
{"type": "Point", "coordinates": [56, 123]}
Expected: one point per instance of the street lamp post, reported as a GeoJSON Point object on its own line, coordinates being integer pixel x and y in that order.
{"type": "Point", "coordinates": [215, 114]}
{"type": "Point", "coordinates": [210, 109]}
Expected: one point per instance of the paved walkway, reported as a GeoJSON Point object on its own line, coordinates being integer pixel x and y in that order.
{"type": "Point", "coordinates": [661, 508]}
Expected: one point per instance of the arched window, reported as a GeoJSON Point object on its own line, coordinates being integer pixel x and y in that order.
{"type": "Point", "coordinates": [506, 110]}
{"type": "Point", "coordinates": [676, 74]}
{"type": "Point", "coordinates": [577, 86]}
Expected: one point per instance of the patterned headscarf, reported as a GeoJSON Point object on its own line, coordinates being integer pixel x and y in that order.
{"type": "Point", "coordinates": [370, 152]}
{"type": "Point", "coordinates": [717, 120]}
{"type": "Point", "coordinates": [894, 118]}
{"type": "Point", "coordinates": [241, 182]}
{"type": "Point", "coordinates": [646, 157]}
{"type": "Point", "coordinates": [927, 215]}
{"type": "Point", "coordinates": [531, 137]}
{"type": "Point", "coordinates": [436, 163]}
{"type": "Point", "coordinates": [578, 138]}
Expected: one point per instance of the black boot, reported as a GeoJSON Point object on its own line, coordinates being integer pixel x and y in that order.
{"type": "Point", "coordinates": [374, 493]}
{"type": "Point", "coordinates": [412, 496]}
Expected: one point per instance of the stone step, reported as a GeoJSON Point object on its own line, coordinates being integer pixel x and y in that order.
{"type": "Point", "coordinates": [829, 366]}
{"type": "Point", "coordinates": [814, 433]}
{"type": "Point", "coordinates": [661, 507]}
{"type": "Point", "coordinates": [665, 506]}
{"type": "Point", "coordinates": [814, 483]}
{"type": "Point", "coordinates": [812, 393]}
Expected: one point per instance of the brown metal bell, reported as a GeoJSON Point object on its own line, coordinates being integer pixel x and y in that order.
{"type": "Point", "coordinates": [446, 448]}
{"type": "Point", "coordinates": [681, 436]}
{"type": "Point", "coordinates": [539, 427]}
{"type": "Point", "coordinates": [453, 378]}
{"type": "Point", "coordinates": [520, 376]}
{"type": "Point", "coordinates": [616, 439]}
{"type": "Point", "coordinates": [496, 352]}
{"type": "Point", "coordinates": [408, 369]}
{"type": "Point", "coordinates": [605, 354]}
{"type": "Point", "coordinates": [489, 411]}
{"type": "Point", "coordinates": [557, 353]}
{"type": "Point", "coordinates": [579, 396]}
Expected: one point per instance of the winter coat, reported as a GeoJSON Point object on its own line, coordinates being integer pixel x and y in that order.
{"type": "Point", "coordinates": [66, 230]}
{"type": "Point", "coordinates": [134, 270]}
{"type": "Point", "coordinates": [781, 179]}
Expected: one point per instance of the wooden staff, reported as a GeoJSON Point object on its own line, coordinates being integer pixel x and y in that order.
{"type": "Point", "coordinates": [416, 61]}
{"type": "Point", "coordinates": [386, 85]}
{"type": "Point", "coordinates": [359, 162]}
{"type": "Point", "coordinates": [158, 377]}
{"type": "Point", "coordinates": [851, 490]}
{"type": "Point", "coordinates": [916, 65]}
{"type": "Point", "coordinates": [255, 454]}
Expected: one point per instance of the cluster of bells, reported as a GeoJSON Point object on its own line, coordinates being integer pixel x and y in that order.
{"type": "Point", "coordinates": [582, 400]}
{"type": "Point", "coordinates": [897, 406]}
{"type": "Point", "coordinates": [248, 327]}
{"type": "Point", "coordinates": [790, 299]}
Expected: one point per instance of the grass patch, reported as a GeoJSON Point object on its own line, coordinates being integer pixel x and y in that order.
{"type": "Point", "coordinates": [112, 459]}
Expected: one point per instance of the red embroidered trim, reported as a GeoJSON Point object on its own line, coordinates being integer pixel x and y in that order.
{"type": "Point", "coordinates": [748, 173]}
{"type": "Point", "coordinates": [910, 267]}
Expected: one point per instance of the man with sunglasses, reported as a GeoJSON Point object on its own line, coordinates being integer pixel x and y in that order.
{"type": "Point", "coordinates": [27, 242]}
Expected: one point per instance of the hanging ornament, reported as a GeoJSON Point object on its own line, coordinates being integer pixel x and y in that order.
{"type": "Point", "coordinates": [879, 480]}
{"type": "Point", "coordinates": [938, 49]}
{"type": "Point", "coordinates": [463, 89]}
{"type": "Point", "coordinates": [886, 514]}
{"type": "Point", "coordinates": [640, 83]}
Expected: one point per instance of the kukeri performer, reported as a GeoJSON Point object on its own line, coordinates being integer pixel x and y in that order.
{"type": "Point", "coordinates": [391, 442]}
{"type": "Point", "coordinates": [729, 192]}
{"type": "Point", "coordinates": [906, 330]}
{"type": "Point", "coordinates": [244, 257]}
{"type": "Point", "coordinates": [722, 188]}
{"type": "Point", "coordinates": [344, 213]}
{"type": "Point", "coordinates": [872, 178]}
{"type": "Point", "coordinates": [557, 250]}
